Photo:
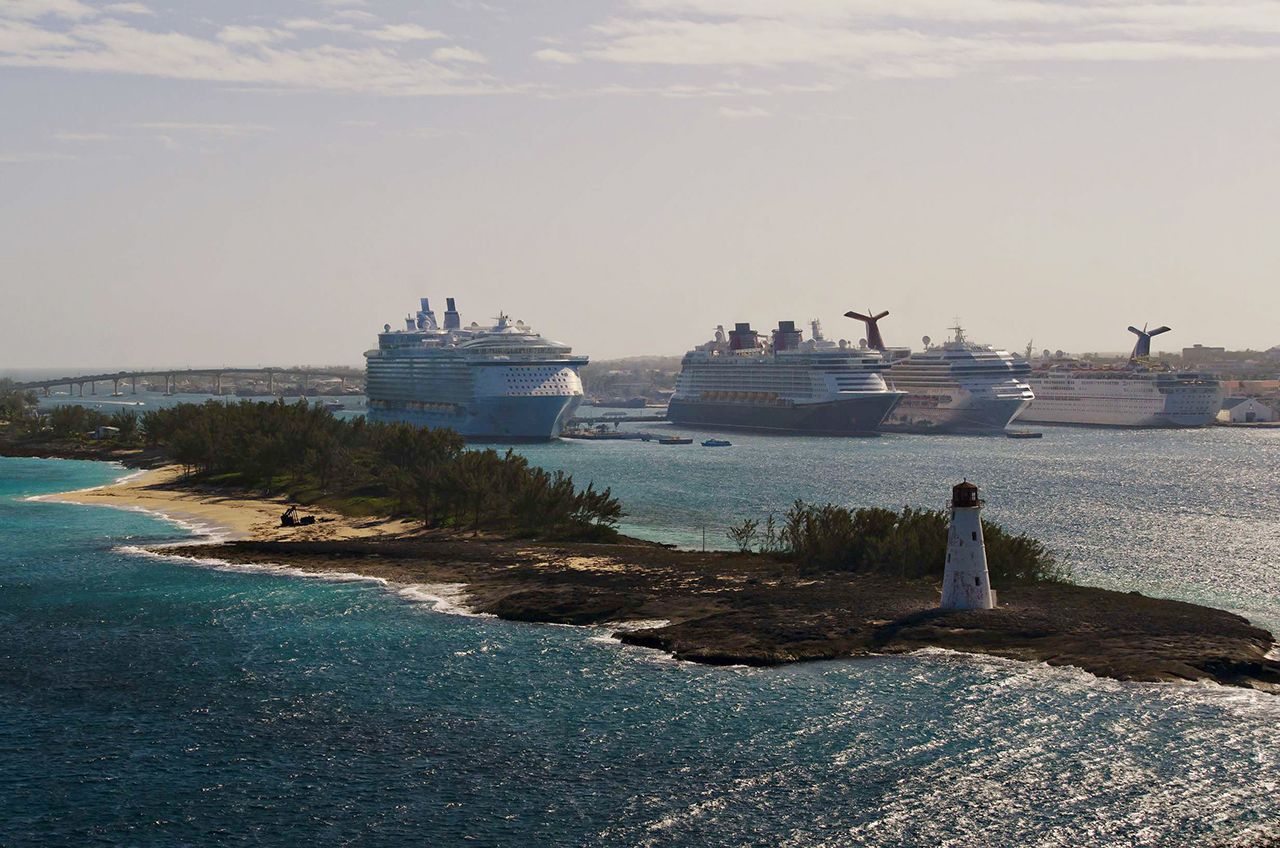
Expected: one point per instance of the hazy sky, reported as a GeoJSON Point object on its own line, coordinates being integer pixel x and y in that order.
{"type": "Point", "coordinates": [246, 182]}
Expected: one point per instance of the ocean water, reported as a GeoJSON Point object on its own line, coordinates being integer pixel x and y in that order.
{"type": "Point", "coordinates": [161, 701]}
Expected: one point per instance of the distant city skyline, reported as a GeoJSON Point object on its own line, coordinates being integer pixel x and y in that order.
{"type": "Point", "coordinates": [211, 183]}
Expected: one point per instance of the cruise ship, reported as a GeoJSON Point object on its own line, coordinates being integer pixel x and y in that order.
{"type": "Point", "coordinates": [1139, 393]}
{"type": "Point", "coordinates": [782, 384]}
{"type": "Point", "coordinates": [954, 387]}
{"type": "Point", "coordinates": [499, 383]}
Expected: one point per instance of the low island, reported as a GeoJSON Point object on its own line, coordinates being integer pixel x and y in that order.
{"type": "Point", "coordinates": [413, 507]}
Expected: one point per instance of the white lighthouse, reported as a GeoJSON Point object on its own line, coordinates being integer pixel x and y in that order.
{"type": "Point", "coordinates": [965, 582]}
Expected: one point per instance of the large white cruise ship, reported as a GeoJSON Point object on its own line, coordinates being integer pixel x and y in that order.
{"type": "Point", "coordinates": [782, 385]}
{"type": "Point", "coordinates": [954, 387]}
{"type": "Point", "coordinates": [499, 383]}
{"type": "Point", "coordinates": [1140, 393]}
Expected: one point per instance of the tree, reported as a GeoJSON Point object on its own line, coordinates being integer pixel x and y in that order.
{"type": "Point", "coordinates": [14, 403]}
{"type": "Point", "coordinates": [126, 421]}
{"type": "Point", "coordinates": [744, 535]}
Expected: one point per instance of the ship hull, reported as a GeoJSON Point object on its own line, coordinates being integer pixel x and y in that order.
{"type": "Point", "coordinates": [859, 416]}
{"type": "Point", "coordinates": [499, 419]}
{"type": "Point", "coordinates": [1111, 406]}
{"type": "Point", "coordinates": [973, 416]}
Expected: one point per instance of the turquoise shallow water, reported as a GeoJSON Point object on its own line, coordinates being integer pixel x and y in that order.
{"type": "Point", "coordinates": [149, 701]}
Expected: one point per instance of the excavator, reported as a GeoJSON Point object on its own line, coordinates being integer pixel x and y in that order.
{"type": "Point", "coordinates": [292, 519]}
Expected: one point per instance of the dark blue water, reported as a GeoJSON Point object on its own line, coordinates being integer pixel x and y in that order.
{"type": "Point", "coordinates": [148, 701]}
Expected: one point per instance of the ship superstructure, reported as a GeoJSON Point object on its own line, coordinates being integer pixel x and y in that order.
{"type": "Point", "coordinates": [502, 382]}
{"type": "Point", "coordinates": [782, 384]}
{"type": "Point", "coordinates": [958, 386]}
{"type": "Point", "coordinates": [1140, 393]}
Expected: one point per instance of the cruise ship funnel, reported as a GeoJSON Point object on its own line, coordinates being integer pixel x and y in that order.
{"type": "Point", "coordinates": [874, 340]}
{"type": "Point", "coordinates": [1142, 349]}
{"type": "Point", "coordinates": [452, 320]}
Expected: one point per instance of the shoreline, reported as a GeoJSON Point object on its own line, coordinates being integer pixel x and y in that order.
{"type": "Point", "coordinates": [160, 491]}
{"type": "Point", "coordinates": [715, 608]}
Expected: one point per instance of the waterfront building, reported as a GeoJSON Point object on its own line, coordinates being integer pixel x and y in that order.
{"type": "Point", "coordinates": [1244, 411]}
{"type": "Point", "coordinates": [966, 584]}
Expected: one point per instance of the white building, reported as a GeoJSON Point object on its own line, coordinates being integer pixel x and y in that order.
{"type": "Point", "coordinates": [105, 432]}
{"type": "Point", "coordinates": [1244, 411]}
{"type": "Point", "coordinates": [965, 582]}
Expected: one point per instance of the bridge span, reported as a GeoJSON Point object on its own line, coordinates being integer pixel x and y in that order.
{"type": "Point", "coordinates": [171, 376]}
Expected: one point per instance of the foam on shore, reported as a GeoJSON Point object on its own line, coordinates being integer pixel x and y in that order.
{"type": "Point", "coordinates": [446, 598]}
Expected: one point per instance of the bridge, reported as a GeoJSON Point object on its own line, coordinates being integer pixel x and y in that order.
{"type": "Point", "coordinates": [171, 376]}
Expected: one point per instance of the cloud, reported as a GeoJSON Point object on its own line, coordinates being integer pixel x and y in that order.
{"type": "Point", "coordinates": [556, 57]}
{"type": "Point", "coordinates": [66, 136]}
{"type": "Point", "coordinates": [313, 24]}
{"type": "Point", "coordinates": [240, 55]}
{"type": "Point", "coordinates": [404, 32]}
{"type": "Point", "coordinates": [749, 112]}
{"type": "Point", "coordinates": [207, 128]}
{"type": "Point", "coordinates": [32, 9]}
{"type": "Point", "coordinates": [251, 35]}
{"type": "Point", "coordinates": [931, 38]}
{"type": "Point", "coordinates": [35, 156]}
{"type": "Point", "coordinates": [457, 54]}
{"type": "Point", "coordinates": [128, 9]}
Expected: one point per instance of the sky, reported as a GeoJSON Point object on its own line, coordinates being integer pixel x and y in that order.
{"type": "Point", "coordinates": [243, 183]}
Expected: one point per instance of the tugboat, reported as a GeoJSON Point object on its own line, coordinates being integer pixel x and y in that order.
{"type": "Point", "coordinates": [675, 440]}
{"type": "Point", "coordinates": [717, 443]}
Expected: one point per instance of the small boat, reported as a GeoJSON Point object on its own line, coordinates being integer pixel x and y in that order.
{"type": "Point", "coordinates": [1024, 434]}
{"type": "Point", "coordinates": [335, 404]}
{"type": "Point", "coordinates": [675, 440]}
{"type": "Point", "coordinates": [716, 443]}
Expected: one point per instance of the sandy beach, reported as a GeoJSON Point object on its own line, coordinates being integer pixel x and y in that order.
{"type": "Point", "coordinates": [228, 515]}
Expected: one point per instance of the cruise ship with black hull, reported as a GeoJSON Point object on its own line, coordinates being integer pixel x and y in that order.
{"type": "Point", "coordinates": [958, 386]}
{"type": "Point", "coordinates": [782, 385]}
{"type": "Point", "coordinates": [503, 383]}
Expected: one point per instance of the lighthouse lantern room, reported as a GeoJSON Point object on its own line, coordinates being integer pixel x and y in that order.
{"type": "Point", "coordinates": [965, 582]}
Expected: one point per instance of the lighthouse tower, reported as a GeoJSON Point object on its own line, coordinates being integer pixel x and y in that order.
{"type": "Point", "coordinates": [965, 583]}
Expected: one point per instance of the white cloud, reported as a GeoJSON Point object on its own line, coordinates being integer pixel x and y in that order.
{"type": "Point", "coordinates": [36, 156]}
{"type": "Point", "coordinates": [929, 38]}
{"type": "Point", "coordinates": [775, 42]}
{"type": "Point", "coordinates": [251, 35]}
{"type": "Point", "coordinates": [32, 9]}
{"type": "Point", "coordinates": [404, 32]}
{"type": "Point", "coordinates": [556, 57]}
{"type": "Point", "coordinates": [313, 24]}
{"type": "Point", "coordinates": [19, 38]}
{"type": "Point", "coordinates": [458, 54]}
{"type": "Point", "coordinates": [67, 136]}
{"type": "Point", "coordinates": [207, 128]}
{"type": "Point", "coordinates": [128, 9]}
{"type": "Point", "coordinates": [749, 112]}
{"type": "Point", "coordinates": [114, 46]}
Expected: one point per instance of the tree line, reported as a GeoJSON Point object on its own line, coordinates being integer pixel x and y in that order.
{"type": "Point", "coordinates": [909, 544]}
{"type": "Point", "coordinates": [394, 469]}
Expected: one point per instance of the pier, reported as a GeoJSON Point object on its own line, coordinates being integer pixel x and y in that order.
{"type": "Point", "coordinates": [289, 376]}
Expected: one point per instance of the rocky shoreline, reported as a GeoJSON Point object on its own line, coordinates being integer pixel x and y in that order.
{"type": "Point", "coordinates": [726, 608]}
